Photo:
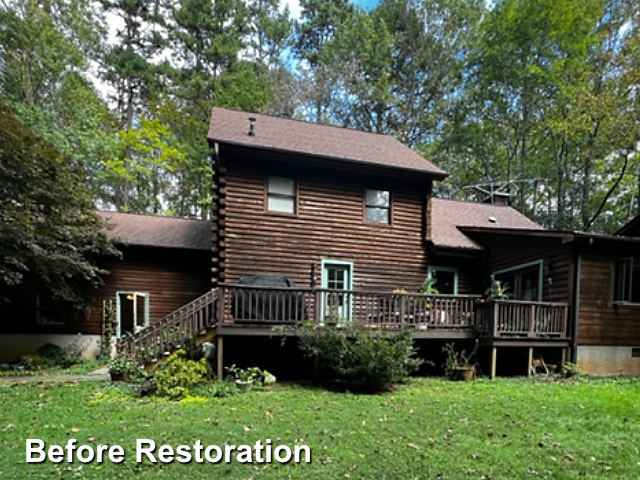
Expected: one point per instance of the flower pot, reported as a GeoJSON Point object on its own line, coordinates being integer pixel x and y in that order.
{"type": "Point", "coordinates": [464, 374]}
{"type": "Point", "coordinates": [244, 385]}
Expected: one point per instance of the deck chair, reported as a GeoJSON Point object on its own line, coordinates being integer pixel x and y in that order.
{"type": "Point", "coordinates": [538, 366]}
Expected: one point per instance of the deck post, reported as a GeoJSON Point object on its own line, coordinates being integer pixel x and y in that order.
{"type": "Point", "coordinates": [495, 318]}
{"type": "Point", "coordinates": [532, 321]}
{"type": "Point", "coordinates": [222, 298]}
{"type": "Point", "coordinates": [563, 358]}
{"type": "Point", "coordinates": [317, 307]}
{"type": "Point", "coordinates": [530, 366]}
{"type": "Point", "coordinates": [220, 365]}
{"type": "Point", "coordinates": [494, 361]}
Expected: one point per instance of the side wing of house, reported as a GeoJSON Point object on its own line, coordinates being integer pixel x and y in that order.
{"type": "Point", "coordinates": [165, 264]}
{"type": "Point", "coordinates": [609, 328]}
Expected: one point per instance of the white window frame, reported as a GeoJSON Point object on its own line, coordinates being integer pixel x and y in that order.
{"type": "Point", "coordinates": [147, 309]}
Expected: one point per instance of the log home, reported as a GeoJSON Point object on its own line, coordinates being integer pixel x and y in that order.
{"type": "Point", "coordinates": [347, 219]}
{"type": "Point", "coordinates": [331, 225]}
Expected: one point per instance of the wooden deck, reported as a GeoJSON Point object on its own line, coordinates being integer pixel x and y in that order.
{"type": "Point", "coordinates": [232, 310]}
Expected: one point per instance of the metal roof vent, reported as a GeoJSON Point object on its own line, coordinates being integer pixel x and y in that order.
{"type": "Point", "coordinates": [252, 126]}
{"type": "Point", "coordinates": [493, 220]}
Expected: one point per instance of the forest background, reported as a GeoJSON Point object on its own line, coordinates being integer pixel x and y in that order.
{"type": "Point", "coordinates": [537, 97]}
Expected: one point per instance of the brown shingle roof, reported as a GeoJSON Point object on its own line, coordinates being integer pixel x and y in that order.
{"type": "Point", "coordinates": [286, 135]}
{"type": "Point", "coordinates": [156, 231]}
{"type": "Point", "coordinates": [448, 215]}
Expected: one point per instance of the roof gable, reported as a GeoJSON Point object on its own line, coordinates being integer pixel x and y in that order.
{"type": "Point", "coordinates": [295, 136]}
{"type": "Point", "coordinates": [158, 231]}
{"type": "Point", "coordinates": [448, 216]}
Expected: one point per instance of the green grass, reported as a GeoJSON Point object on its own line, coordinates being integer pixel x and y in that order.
{"type": "Point", "coordinates": [84, 367]}
{"type": "Point", "coordinates": [428, 429]}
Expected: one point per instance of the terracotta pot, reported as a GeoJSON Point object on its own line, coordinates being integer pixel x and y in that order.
{"type": "Point", "coordinates": [463, 373]}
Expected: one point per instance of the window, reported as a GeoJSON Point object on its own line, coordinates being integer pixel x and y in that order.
{"type": "Point", "coordinates": [378, 206]}
{"type": "Point", "coordinates": [446, 279]}
{"type": "Point", "coordinates": [523, 282]}
{"type": "Point", "coordinates": [50, 311]}
{"type": "Point", "coordinates": [626, 284]}
{"type": "Point", "coordinates": [281, 195]}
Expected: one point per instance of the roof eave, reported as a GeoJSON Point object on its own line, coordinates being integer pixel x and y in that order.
{"type": "Point", "coordinates": [436, 175]}
{"type": "Point", "coordinates": [124, 243]}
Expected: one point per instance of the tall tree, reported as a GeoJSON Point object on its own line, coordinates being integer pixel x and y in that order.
{"type": "Point", "coordinates": [44, 75]}
{"type": "Point", "coordinates": [49, 231]}
{"type": "Point", "coordinates": [321, 75]}
{"type": "Point", "coordinates": [130, 64]}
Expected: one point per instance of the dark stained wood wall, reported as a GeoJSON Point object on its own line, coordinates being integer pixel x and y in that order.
{"type": "Point", "coordinates": [602, 322]}
{"type": "Point", "coordinates": [505, 250]}
{"type": "Point", "coordinates": [329, 225]}
{"type": "Point", "coordinates": [172, 277]}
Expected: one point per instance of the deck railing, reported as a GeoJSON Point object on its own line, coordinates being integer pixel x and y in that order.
{"type": "Point", "coordinates": [174, 330]}
{"type": "Point", "coordinates": [515, 318]}
{"type": "Point", "coordinates": [270, 305]}
{"type": "Point", "coordinates": [252, 305]}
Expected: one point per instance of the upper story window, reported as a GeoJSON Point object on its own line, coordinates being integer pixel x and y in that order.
{"type": "Point", "coordinates": [626, 283]}
{"type": "Point", "coordinates": [281, 195]}
{"type": "Point", "coordinates": [378, 206]}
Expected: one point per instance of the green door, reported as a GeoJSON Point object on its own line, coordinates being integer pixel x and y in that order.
{"type": "Point", "coordinates": [338, 277]}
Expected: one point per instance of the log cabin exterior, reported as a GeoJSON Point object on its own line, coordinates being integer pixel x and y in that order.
{"type": "Point", "coordinates": [165, 263]}
{"type": "Point", "coordinates": [336, 209]}
{"type": "Point", "coordinates": [350, 219]}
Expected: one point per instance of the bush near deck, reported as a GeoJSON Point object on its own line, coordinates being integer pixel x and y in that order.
{"type": "Point", "coordinates": [429, 428]}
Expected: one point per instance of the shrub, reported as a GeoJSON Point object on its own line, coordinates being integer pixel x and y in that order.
{"type": "Point", "coordinates": [360, 360]}
{"type": "Point", "coordinates": [217, 389]}
{"type": "Point", "coordinates": [54, 355]}
{"type": "Point", "coordinates": [178, 375]}
{"type": "Point", "coordinates": [33, 362]}
{"type": "Point", "coordinates": [570, 370]}
{"type": "Point", "coordinates": [75, 348]}
{"type": "Point", "coordinates": [126, 366]}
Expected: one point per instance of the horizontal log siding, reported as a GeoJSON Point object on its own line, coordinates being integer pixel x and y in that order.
{"type": "Point", "coordinates": [329, 225]}
{"type": "Point", "coordinates": [602, 322]}
{"type": "Point", "coordinates": [172, 277]}
{"type": "Point", "coordinates": [507, 251]}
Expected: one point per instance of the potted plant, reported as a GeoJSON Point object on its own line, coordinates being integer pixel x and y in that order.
{"type": "Point", "coordinates": [244, 377]}
{"type": "Point", "coordinates": [429, 286]}
{"type": "Point", "coordinates": [497, 290]}
{"type": "Point", "coordinates": [122, 368]}
{"type": "Point", "coordinates": [459, 365]}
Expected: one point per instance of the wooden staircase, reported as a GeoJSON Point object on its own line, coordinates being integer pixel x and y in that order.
{"type": "Point", "coordinates": [194, 321]}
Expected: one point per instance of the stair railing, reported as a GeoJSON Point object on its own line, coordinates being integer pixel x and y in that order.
{"type": "Point", "coordinates": [174, 330]}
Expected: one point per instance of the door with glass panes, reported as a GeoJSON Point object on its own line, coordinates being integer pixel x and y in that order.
{"type": "Point", "coordinates": [337, 277]}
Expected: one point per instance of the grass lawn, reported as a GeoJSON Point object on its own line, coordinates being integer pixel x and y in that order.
{"type": "Point", "coordinates": [82, 368]}
{"type": "Point", "coordinates": [430, 428]}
